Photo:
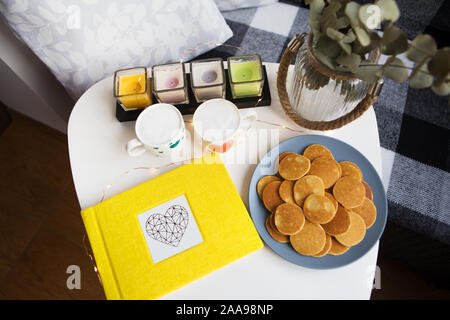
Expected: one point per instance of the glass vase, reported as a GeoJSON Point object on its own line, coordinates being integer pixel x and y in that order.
{"type": "Point", "coordinates": [318, 93]}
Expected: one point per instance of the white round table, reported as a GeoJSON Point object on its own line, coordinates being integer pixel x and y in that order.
{"type": "Point", "coordinates": [97, 156]}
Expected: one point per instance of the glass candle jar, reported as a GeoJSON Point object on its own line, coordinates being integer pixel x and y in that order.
{"type": "Point", "coordinates": [169, 83]}
{"type": "Point", "coordinates": [132, 88]}
{"type": "Point", "coordinates": [207, 79]}
{"type": "Point", "coordinates": [246, 75]}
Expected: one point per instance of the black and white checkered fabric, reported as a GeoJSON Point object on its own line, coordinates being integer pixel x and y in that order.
{"type": "Point", "coordinates": [413, 124]}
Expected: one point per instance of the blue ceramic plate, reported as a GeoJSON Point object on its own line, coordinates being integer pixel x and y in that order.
{"type": "Point", "coordinates": [341, 152]}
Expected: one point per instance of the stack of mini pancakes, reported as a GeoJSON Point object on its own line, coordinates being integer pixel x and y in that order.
{"type": "Point", "coordinates": [319, 205]}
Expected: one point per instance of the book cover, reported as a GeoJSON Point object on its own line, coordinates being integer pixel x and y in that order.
{"type": "Point", "coordinates": [169, 231]}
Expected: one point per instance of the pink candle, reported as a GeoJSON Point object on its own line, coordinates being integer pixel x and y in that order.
{"type": "Point", "coordinates": [169, 85]}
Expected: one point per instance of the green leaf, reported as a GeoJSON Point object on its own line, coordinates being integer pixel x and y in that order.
{"type": "Point", "coordinates": [351, 11]}
{"type": "Point", "coordinates": [342, 39]}
{"type": "Point", "coordinates": [439, 65]}
{"type": "Point", "coordinates": [367, 73]}
{"type": "Point", "coordinates": [389, 10]}
{"type": "Point", "coordinates": [370, 16]}
{"type": "Point", "coordinates": [315, 8]}
{"type": "Point", "coordinates": [362, 36]}
{"type": "Point", "coordinates": [326, 50]}
{"type": "Point", "coordinates": [349, 37]}
{"type": "Point", "coordinates": [335, 35]}
{"type": "Point", "coordinates": [331, 22]}
{"type": "Point", "coordinates": [351, 61]}
{"type": "Point", "coordinates": [326, 60]}
{"type": "Point", "coordinates": [423, 46]}
{"type": "Point", "coordinates": [420, 78]}
{"type": "Point", "coordinates": [345, 41]}
{"type": "Point", "coordinates": [328, 46]}
{"type": "Point", "coordinates": [441, 88]}
{"type": "Point", "coordinates": [332, 8]}
{"type": "Point", "coordinates": [342, 22]}
{"type": "Point", "coordinates": [375, 42]}
{"type": "Point", "coordinates": [315, 29]}
{"type": "Point", "coordinates": [315, 11]}
{"type": "Point", "coordinates": [328, 18]}
{"type": "Point", "coordinates": [395, 69]}
{"type": "Point", "coordinates": [341, 11]}
{"type": "Point", "coordinates": [394, 41]}
{"type": "Point", "coordinates": [346, 47]}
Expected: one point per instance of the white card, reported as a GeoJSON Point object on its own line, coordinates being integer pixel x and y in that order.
{"type": "Point", "coordinates": [169, 229]}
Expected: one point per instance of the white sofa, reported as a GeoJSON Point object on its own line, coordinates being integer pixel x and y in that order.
{"type": "Point", "coordinates": [27, 86]}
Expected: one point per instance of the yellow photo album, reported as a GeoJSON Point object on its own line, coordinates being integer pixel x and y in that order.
{"type": "Point", "coordinates": [169, 231]}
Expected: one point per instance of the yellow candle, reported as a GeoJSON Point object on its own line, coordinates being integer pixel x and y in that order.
{"type": "Point", "coordinates": [134, 92]}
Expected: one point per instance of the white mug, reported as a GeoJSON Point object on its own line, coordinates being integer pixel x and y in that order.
{"type": "Point", "coordinates": [160, 129]}
{"type": "Point", "coordinates": [219, 123]}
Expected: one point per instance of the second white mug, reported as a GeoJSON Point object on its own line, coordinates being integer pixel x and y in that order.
{"type": "Point", "coordinates": [219, 123]}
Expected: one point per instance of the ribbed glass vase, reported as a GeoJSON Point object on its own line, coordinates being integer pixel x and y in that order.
{"type": "Point", "coordinates": [319, 93]}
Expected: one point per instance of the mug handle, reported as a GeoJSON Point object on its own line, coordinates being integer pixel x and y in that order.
{"type": "Point", "coordinates": [248, 118]}
{"type": "Point", "coordinates": [135, 148]}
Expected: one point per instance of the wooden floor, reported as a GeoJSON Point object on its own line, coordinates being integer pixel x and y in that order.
{"type": "Point", "coordinates": [40, 224]}
{"type": "Point", "coordinates": [41, 229]}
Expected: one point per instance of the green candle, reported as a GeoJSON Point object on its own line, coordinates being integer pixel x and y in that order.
{"type": "Point", "coordinates": [246, 76]}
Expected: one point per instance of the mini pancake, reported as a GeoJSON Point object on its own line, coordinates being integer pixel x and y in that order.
{"type": "Point", "coordinates": [289, 218]}
{"type": "Point", "coordinates": [286, 191]}
{"type": "Point", "coordinates": [337, 248]}
{"type": "Point", "coordinates": [330, 196]}
{"type": "Point", "coordinates": [284, 155]}
{"type": "Point", "coordinates": [271, 197]}
{"type": "Point", "coordinates": [369, 193]}
{"type": "Point", "coordinates": [293, 167]}
{"type": "Point", "coordinates": [264, 181]}
{"type": "Point", "coordinates": [318, 209]}
{"type": "Point", "coordinates": [326, 248]}
{"type": "Point", "coordinates": [310, 240]}
{"type": "Point", "coordinates": [272, 224]}
{"type": "Point", "coordinates": [306, 186]}
{"type": "Point", "coordinates": [339, 166]}
{"type": "Point", "coordinates": [355, 233]}
{"type": "Point", "coordinates": [275, 233]}
{"type": "Point", "coordinates": [349, 192]}
{"type": "Point", "coordinates": [351, 169]}
{"type": "Point", "coordinates": [340, 223]}
{"type": "Point", "coordinates": [327, 169]}
{"type": "Point", "coordinates": [367, 211]}
{"type": "Point", "coordinates": [316, 150]}
{"type": "Point", "coordinates": [281, 157]}
{"type": "Point", "coordinates": [340, 170]}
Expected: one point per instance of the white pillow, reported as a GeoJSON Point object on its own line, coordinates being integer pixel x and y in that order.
{"type": "Point", "coordinates": [85, 41]}
{"type": "Point", "coordinates": [227, 5]}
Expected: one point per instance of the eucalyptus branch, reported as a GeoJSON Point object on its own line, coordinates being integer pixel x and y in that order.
{"type": "Point", "coordinates": [346, 45]}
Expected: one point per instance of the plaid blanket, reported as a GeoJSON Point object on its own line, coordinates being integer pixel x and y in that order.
{"type": "Point", "coordinates": [413, 124]}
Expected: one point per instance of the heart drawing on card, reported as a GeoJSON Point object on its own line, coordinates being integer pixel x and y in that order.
{"type": "Point", "coordinates": [169, 227]}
